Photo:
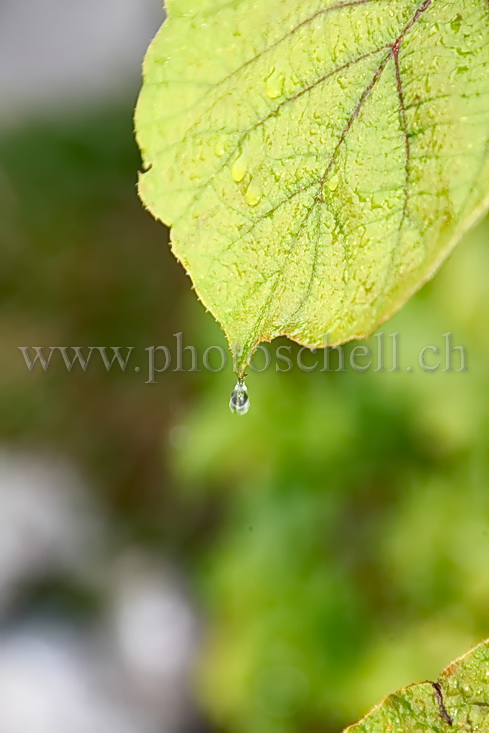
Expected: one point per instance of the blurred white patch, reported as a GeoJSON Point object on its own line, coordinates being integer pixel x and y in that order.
{"type": "Point", "coordinates": [46, 522]}
{"type": "Point", "coordinates": [125, 669]}
{"type": "Point", "coordinates": [65, 51]}
{"type": "Point", "coordinates": [50, 682]}
{"type": "Point", "coordinates": [156, 634]}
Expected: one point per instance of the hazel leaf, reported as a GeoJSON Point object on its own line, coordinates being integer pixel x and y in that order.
{"type": "Point", "coordinates": [316, 160]}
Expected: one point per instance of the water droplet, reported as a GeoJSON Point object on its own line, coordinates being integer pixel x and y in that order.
{"type": "Point", "coordinates": [220, 147]}
{"type": "Point", "coordinates": [333, 183]}
{"type": "Point", "coordinates": [253, 194]}
{"type": "Point", "coordinates": [240, 166]}
{"type": "Point", "coordinates": [274, 85]}
{"type": "Point", "coordinates": [239, 403]}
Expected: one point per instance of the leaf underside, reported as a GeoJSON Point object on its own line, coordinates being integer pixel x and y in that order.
{"type": "Point", "coordinates": [316, 160]}
{"type": "Point", "coordinates": [459, 700]}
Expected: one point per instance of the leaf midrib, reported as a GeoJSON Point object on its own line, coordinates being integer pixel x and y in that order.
{"type": "Point", "coordinates": [393, 53]}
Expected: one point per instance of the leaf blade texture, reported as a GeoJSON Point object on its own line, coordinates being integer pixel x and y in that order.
{"type": "Point", "coordinates": [459, 700]}
{"type": "Point", "coordinates": [315, 161]}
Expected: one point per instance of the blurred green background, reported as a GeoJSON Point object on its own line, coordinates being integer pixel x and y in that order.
{"type": "Point", "coordinates": [335, 542]}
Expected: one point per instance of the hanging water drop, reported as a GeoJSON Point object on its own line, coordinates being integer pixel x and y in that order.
{"type": "Point", "coordinates": [239, 403]}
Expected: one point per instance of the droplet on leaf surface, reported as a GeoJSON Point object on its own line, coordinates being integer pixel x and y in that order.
{"type": "Point", "coordinates": [333, 183]}
{"type": "Point", "coordinates": [253, 194]}
{"type": "Point", "coordinates": [274, 85]}
{"type": "Point", "coordinates": [239, 168]}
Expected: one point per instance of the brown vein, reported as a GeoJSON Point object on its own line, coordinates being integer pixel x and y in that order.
{"type": "Point", "coordinates": [393, 53]}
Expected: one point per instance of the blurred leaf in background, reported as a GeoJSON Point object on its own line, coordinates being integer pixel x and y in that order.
{"type": "Point", "coordinates": [353, 557]}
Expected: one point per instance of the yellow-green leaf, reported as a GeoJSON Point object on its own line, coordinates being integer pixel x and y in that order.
{"type": "Point", "coordinates": [458, 700]}
{"type": "Point", "coordinates": [316, 160]}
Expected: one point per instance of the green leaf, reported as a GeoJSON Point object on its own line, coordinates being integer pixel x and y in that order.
{"type": "Point", "coordinates": [316, 160]}
{"type": "Point", "coordinates": [458, 700]}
